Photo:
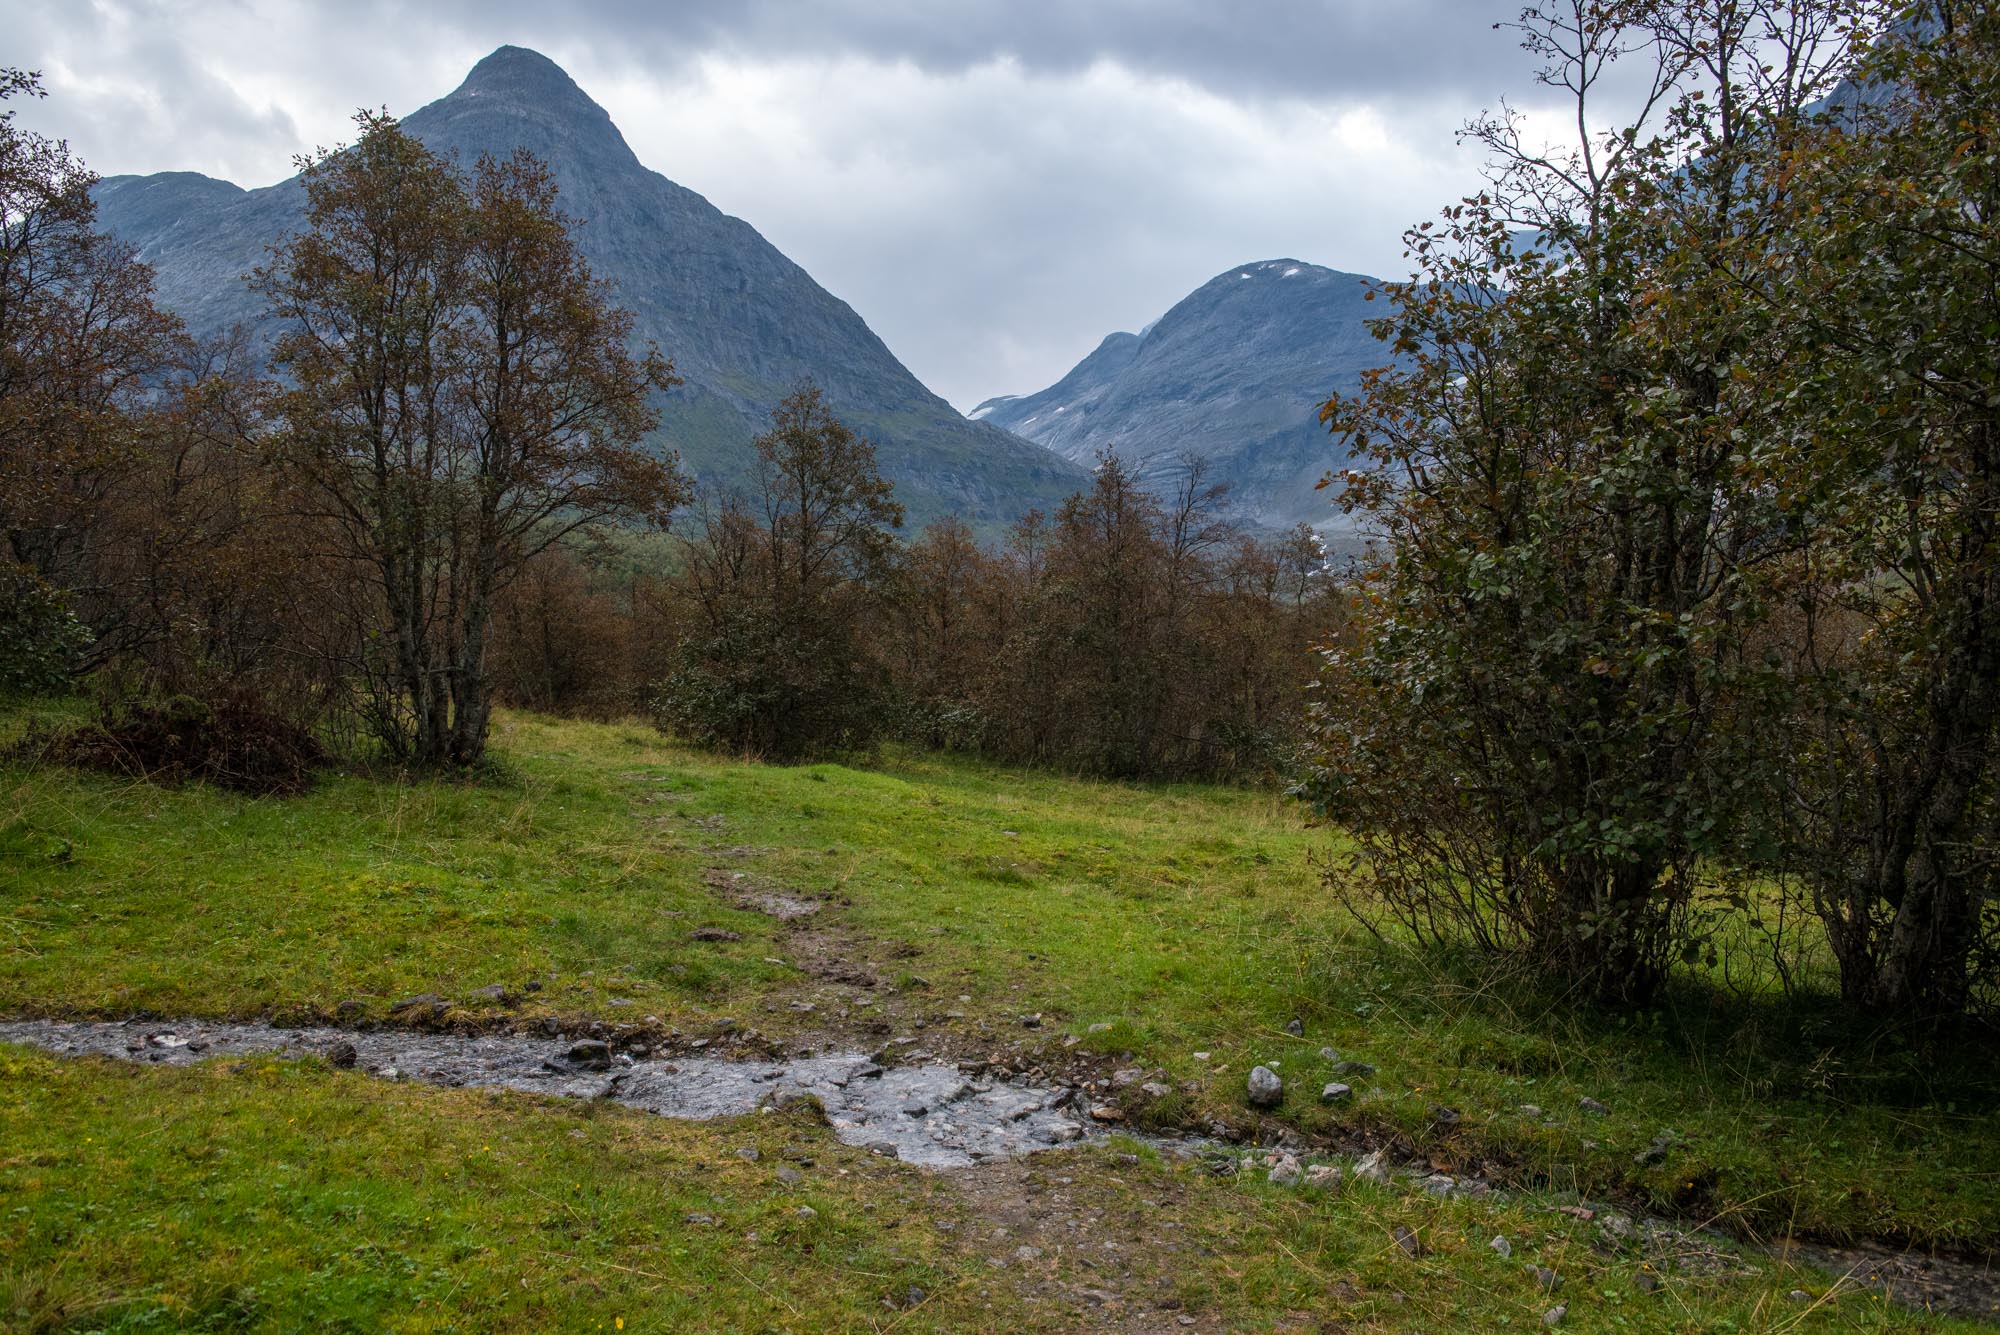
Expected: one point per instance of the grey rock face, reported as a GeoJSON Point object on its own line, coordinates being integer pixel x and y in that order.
{"type": "Point", "coordinates": [742, 323]}
{"type": "Point", "coordinates": [1265, 1088]}
{"type": "Point", "coordinates": [1235, 374]}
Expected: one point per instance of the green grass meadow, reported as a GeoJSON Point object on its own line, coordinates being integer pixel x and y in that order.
{"type": "Point", "coordinates": [1191, 920]}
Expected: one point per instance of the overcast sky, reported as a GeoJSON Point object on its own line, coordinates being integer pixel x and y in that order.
{"type": "Point", "coordinates": [993, 184]}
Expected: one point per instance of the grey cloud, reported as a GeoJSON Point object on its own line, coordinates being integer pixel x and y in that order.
{"type": "Point", "coordinates": [994, 186]}
{"type": "Point", "coordinates": [1298, 48]}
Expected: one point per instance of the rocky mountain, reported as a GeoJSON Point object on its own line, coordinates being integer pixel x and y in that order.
{"type": "Point", "coordinates": [1234, 374]}
{"type": "Point", "coordinates": [742, 323]}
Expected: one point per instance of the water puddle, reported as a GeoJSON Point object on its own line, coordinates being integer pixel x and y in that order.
{"type": "Point", "coordinates": [933, 1115]}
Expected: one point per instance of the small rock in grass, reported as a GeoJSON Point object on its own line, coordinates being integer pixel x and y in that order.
{"type": "Point", "coordinates": [789, 1175]}
{"type": "Point", "coordinates": [1353, 1068]}
{"type": "Point", "coordinates": [1407, 1239]}
{"type": "Point", "coordinates": [1592, 1106]}
{"type": "Point", "coordinates": [1027, 1253]}
{"type": "Point", "coordinates": [1031, 1021]}
{"type": "Point", "coordinates": [698, 1219]}
{"type": "Point", "coordinates": [749, 1154]}
{"type": "Point", "coordinates": [1323, 1175]}
{"type": "Point", "coordinates": [1131, 1075]}
{"type": "Point", "coordinates": [1547, 1280]}
{"type": "Point", "coordinates": [1106, 1112]}
{"type": "Point", "coordinates": [420, 999]}
{"type": "Point", "coordinates": [1336, 1093]}
{"type": "Point", "coordinates": [1443, 1116]}
{"type": "Point", "coordinates": [1328, 1055]}
{"type": "Point", "coordinates": [1373, 1168]}
{"type": "Point", "coordinates": [1531, 1110]}
{"type": "Point", "coordinates": [1647, 1281]}
{"type": "Point", "coordinates": [1153, 1089]}
{"type": "Point", "coordinates": [714, 934]}
{"type": "Point", "coordinates": [1287, 1172]}
{"type": "Point", "coordinates": [1295, 1027]}
{"type": "Point", "coordinates": [1440, 1184]}
{"type": "Point", "coordinates": [1266, 1090]}
{"type": "Point", "coordinates": [1554, 1316]}
{"type": "Point", "coordinates": [1101, 1027]}
{"type": "Point", "coordinates": [806, 1212]}
{"type": "Point", "coordinates": [1501, 1247]}
{"type": "Point", "coordinates": [1799, 1296]}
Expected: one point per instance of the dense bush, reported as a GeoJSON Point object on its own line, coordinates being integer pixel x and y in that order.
{"type": "Point", "coordinates": [231, 742]}
{"type": "Point", "coordinates": [41, 640]}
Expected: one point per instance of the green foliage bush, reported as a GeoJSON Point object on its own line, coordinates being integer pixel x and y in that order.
{"type": "Point", "coordinates": [40, 639]}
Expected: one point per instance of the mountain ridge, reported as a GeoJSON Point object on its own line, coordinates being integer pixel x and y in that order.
{"type": "Point", "coordinates": [743, 323]}
{"type": "Point", "coordinates": [1234, 373]}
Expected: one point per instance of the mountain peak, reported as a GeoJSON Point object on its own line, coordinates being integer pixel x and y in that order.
{"type": "Point", "coordinates": [516, 73]}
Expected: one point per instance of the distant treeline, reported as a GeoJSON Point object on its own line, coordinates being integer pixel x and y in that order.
{"type": "Point", "coordinates": [394, 519]}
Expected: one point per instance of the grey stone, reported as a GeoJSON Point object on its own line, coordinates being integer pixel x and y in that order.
{"type": "Point", "coordinates": [1295, 1027]}
{"type": "Point", "coordinates": [1361, 1070]}
{"type": "Point", "coordinates": [1407, 1239]}
{"type": "Point", "coordinates": [1287, 1172]}
{"type": "Point", "coordinates": [1373, 1168]}
{"type": "Point", "coordinates": [1554, 1316]}
{"type": "Point", "coordinates": [749, 1154]}
{"type": "Point", "coordinates": [1323, 1175]}
{"type": "Point", "coordinates": [1501, 1247]}
{"type": "Point", "coordinates": [1336, 1093]}
{"type": "Point", "coordinates": [698, 1219]}
{"type": "Point", "coordinates": [411, 1003]}
{"type": "Point", "coordinates": [1547, 1280]}
{"type": "Point", "coordinates": [593, 1054]}
{"type": "Point", "coordinates": [1592, 1106]}
{"type": "Point", "coordinates": [1266, 1090]}
{"type": "Point", "coordinates": [789, 1175]}
{"type": "Point", "coordinates": [342, 1056]}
